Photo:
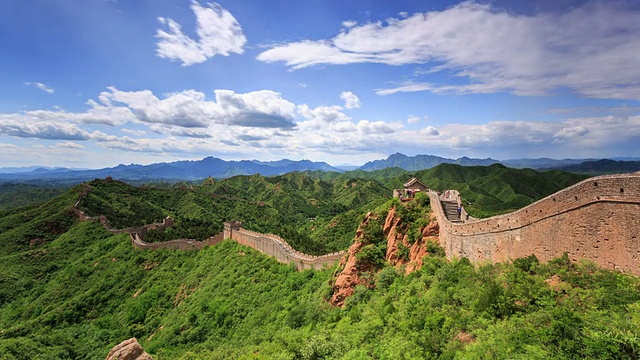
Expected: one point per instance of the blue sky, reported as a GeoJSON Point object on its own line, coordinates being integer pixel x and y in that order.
{"type": "Point", "coordinates": [95, 83]}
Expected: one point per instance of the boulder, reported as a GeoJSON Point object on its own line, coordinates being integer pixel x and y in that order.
{"type": "Point", "coordinates": [128, 350]}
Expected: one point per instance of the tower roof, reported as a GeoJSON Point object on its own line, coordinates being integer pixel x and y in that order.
{"type": "Point", "coordinates": [414, 181]}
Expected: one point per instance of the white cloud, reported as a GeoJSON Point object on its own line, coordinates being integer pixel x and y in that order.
{"type": "Point", "coordinates": [219, 33]}
{"type": "Point", "coordinates": [429, 131]}
{"type": "Point", "coordinates": [264, 108]}
{"type": "Point", "coordinates": [412, 119]}
{"type": "Point", "coordinates": [68, 145]}
{"type": "Point", "coordinates": [263, 124]}
{"type": "Point", "coordinates": [14, 125]}
{"type": "Point", "coordinates": [591, 49]}
{"type": "Point", "coordinates": [349, 23]}
{"type": "Point", "coordinates": [191, 109]}
{"type": "Point", "coordinates": [180, 131]}
{"type": "Point", "coordinates": [574, 137]}
{"type": "Point", "coordinates": [40, 86]}
{"type": "Point", "coordinates": [321, 117]}
{"type": "Point", "coordinates": [571, 132]}
{"type": "Point", "coordinates": [133, 132]}
{"type": "Point", "coordinates": [351, 101]}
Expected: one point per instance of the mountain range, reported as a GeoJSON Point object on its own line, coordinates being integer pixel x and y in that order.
{"type": "Point", "coordinates": [217, 168]}
{"type": "Point", "coordinates": [179, 170]}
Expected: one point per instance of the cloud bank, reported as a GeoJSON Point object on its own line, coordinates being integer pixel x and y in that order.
{"type": "Point", "coordinates": [592, 49]}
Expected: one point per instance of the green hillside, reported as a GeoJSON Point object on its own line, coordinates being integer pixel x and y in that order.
{"type": "Point", "coordinates": [21, 194]}
{"type": "Point", "coordinates": [315, 216]}
{"type": "Point", "coordinates": [83, 290]}
{"type": "Point", "coordinates": [496, 189]}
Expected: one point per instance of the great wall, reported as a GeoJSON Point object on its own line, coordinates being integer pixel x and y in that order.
{"type": "Point", "coordinates": [597, 219]}
{"type": "Point", "coordinates": [269, 244]}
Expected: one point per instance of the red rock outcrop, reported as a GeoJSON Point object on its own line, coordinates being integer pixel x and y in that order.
{"type": "Point", "coordinates": [128, 350]}
{"type": "Point", "coordinates": [393, 229]}
{"type": "Point", "coordinates": [349, 277]}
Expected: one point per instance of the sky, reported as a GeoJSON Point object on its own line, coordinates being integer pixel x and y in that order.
{"type": "Point", "coordinates": [97, 83]}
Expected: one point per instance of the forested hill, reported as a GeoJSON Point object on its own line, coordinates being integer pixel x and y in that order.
{"type": "Point", "coordinates": [604, 166]}
{"type": "Point", "coordinates": [315, 216]}
{"type": "Point", "coordinates": [487, 190]}
{"type": "Point", "coordinates": [496, 189]}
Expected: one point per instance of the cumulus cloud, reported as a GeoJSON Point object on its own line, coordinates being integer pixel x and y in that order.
{"type": "Point", "coordinates": [13, 125]}
{"type": "Point", "coordinates": [351, 101]}
{"type": "Point", "coordinates": [571, 132]}
{"type": "Point", "coordinates": [40, 86]}
{"type": "Point", "coordinates": [219, 33]}
{"type": "Point", "coordinates": [429, 131]}
{"type": "Point", "coordinates": [322, 114]}
{"type": "Point", "coordinates": [591, 49]}
{"type": "Point", "coordinates": [263, 108]}
{"type": "Point", "coordinates": [185, 114]}
{"type": "Point", "coordinates": [191, 109]}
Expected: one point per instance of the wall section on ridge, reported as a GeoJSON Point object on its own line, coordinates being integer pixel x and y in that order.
{"type": "Point", "coordinates": [597, 219]}
{"type": "Point", "coordinates": [278, 248]}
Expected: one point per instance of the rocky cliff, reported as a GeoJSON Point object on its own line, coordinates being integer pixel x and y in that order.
{"type": "Point", "coordinates": [358, 267]}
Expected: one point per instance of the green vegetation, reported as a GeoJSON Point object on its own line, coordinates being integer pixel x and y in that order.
{"type": "Point", "coordinates": [22, 194]}
{"type": "Point", "coordinates": [87, 290]}
{"type": "Point", "coordinates": [315, 216]}
{"type": "Point", "coordinates": [73, 290]}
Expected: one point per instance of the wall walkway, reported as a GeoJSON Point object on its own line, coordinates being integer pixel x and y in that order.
{"type": "Point", "coordinates": [597, 219]}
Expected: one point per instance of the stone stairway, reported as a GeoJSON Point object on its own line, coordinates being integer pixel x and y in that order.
{"type": "Point", "coordinates": [451, 211]}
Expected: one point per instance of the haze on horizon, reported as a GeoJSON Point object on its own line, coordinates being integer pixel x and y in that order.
{"type": "Point", "coordinates": [97, 83]}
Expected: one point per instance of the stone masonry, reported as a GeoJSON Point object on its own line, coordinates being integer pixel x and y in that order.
{"type": "Point", "coordinates": [597, 219]}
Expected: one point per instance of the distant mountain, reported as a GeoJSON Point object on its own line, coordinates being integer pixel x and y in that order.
{"type": "Point", "coordinates": [604, 166]}
{"type": "Point", "coordinates": [542, 163]}
{"type": "Point", "coordinates": [179, 170]}
{"type": "Point", "coordinates": [421, 162]}
{"type": "Point", "coordinates": [13, 170]}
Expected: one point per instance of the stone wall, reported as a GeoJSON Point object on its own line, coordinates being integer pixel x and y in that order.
{"type": "Point", "coordinates": [275, 246]}
{"type": "Point", "coordinates": [178, 244]}
{"type": "Point", "coordinates": [597, 219]}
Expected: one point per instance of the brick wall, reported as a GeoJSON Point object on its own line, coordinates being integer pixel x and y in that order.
{"type": "Point", "coordinates": [597, 219]}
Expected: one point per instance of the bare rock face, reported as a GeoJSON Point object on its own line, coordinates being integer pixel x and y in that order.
{"type": "Point", "coordinates": [128, 350]}
{"type": "Point", "coordinates": [394, 231]}
{"type": "Point", "coordinates": [349, 277]}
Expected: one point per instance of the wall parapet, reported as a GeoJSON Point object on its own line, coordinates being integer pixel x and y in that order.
{"type": "Point", "coordinates": [578, 220]}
